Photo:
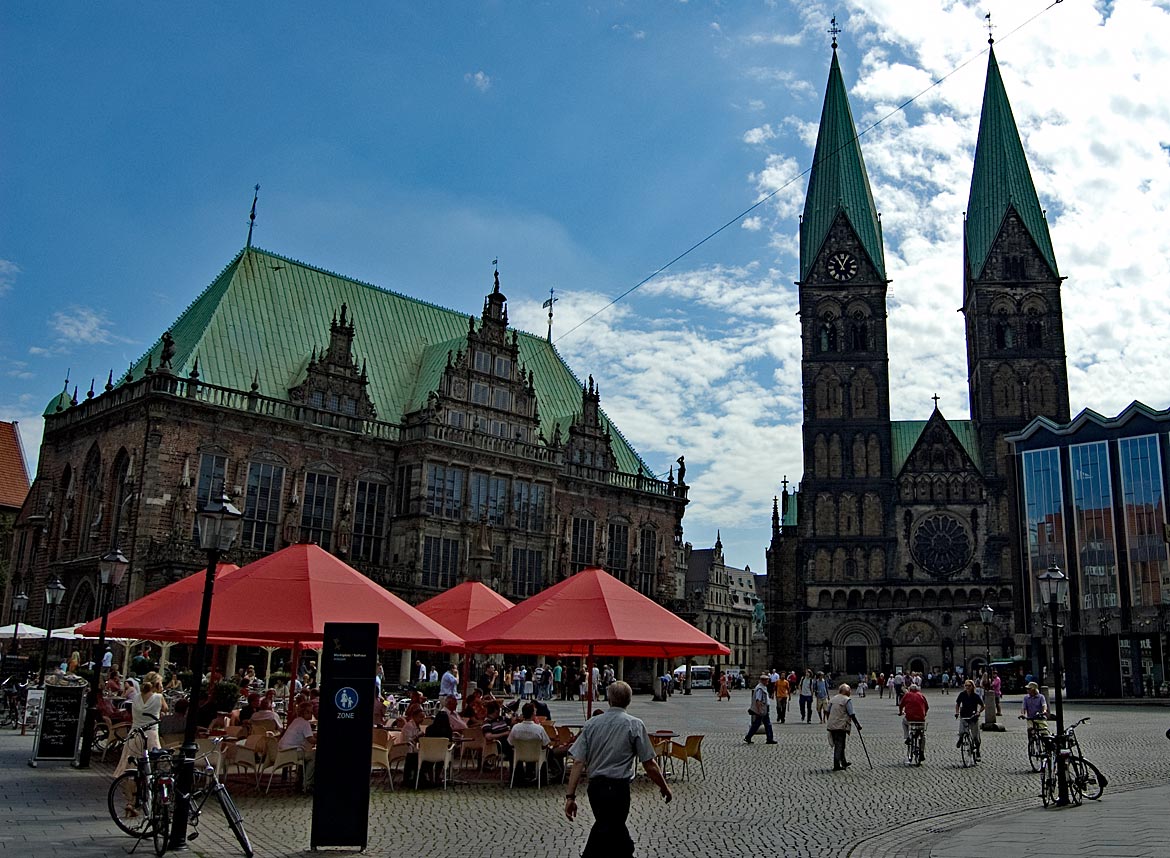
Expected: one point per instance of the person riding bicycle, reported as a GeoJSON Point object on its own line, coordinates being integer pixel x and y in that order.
{"type": "Point", "coordinates": [968, 707]}
{"type": "Point", "coordinates": [913, 708]}
{"type": "Point", "coordinates": [1034, 708]}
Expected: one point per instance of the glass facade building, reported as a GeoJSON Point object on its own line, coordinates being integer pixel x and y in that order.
{"type": "Point", "coordinates": [1092, 501]}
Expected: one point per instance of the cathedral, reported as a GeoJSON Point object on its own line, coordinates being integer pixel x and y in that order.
{"type": "Point", "coordinates": [899, 547]}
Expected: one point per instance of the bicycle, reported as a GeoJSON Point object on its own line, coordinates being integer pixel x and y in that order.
{"type": "Point", "coordinates": [15, 690]}
{"type": "Point", "coordinates": [141, 801]}
{"type": "Point", "coordinates": [207, 784]}
{"type": "Point", "coordinates": [1088, 777]}
{"type": "Point", "coordinates": [916, 745]}
{"type": "Point", "coordinates": [969, 741]}
{"type": "Point", "coordinates": [1054, 749]}
{"type": "Point", "coordinates": [1037, 734]}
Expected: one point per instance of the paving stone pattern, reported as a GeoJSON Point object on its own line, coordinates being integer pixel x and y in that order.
{"type": "Point", "coordinates": [759, 800]}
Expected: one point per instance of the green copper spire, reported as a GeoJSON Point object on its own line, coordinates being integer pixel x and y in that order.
{"type": "Point", "coordinates": [838, 182]}
{"type": "Point", "coordinates": [1000, 180]}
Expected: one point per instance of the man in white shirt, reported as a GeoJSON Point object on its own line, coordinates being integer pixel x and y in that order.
{"type": "Point", "coordinates": [458, 725]}
{"type": "Point", "coordinates": [422, 671]}
{"type": "Point", "coordinates": [299, 734]}
{"type": "Point", "coordinates": [449, 684]}
{"type": "Point", "coordinates": [527, 729]}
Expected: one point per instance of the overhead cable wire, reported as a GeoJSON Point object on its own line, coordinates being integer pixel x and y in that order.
{"type": "Point", "coordinates": [901, 107]}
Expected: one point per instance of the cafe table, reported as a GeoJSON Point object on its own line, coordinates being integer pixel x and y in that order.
{"type": "Point", "coordinates": [663, 738]}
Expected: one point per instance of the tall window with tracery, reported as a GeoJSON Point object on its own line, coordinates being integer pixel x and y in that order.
{"type": "Point", "coordinates": [262, 506]}
{"type": "Point", "coordinates": [369, 521]}
{"type": "Point", "coordinates": [317, 509]}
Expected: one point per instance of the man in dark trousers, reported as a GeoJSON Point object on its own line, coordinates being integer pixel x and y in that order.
{"type": "Point", "coordinates": [609, 746]}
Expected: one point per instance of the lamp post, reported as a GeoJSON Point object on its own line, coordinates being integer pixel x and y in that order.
{"type": "Point", "coordinates": [963, 633]}
{"type": "Point", "coordinates": [986, 615]}
{"type": "Point", "coordinates": [111, 569]}
{"type": "Point", "coordinates": [54, 595]}
{"type": "Point", "coordinates": [19, 606]}
{"type": "Point", "coordinates": [1054, 590]}
{"type": "Point", "coordinates": [219, 522]}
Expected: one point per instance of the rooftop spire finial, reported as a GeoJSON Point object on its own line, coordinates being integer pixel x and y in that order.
{"type": "Point", "coordinates": [252, 216]}
{"type": "Point", "coordinates": [935, 398]}
{"type": "Point", "coordinates": [833, 30]}
{"type": "Point", "coordinates": [552, 299]}
{"type": "Point", "coordinates": [990, 27]}
{"type": "Point", "coordinates": [496, 267]}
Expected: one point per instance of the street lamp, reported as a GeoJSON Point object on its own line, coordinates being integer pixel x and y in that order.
{"type": "Point", "coordinates": [963, 632]}
{"type": "Point", "coordinates": [19, 606]}
{"type": "Point", "coordinates": [1054, 591]}
{"type": "Point", "coordinates": [218, 522]}
{"type": "Point", "coordinates": [111, 569]}
{"type": "Point", "coordinates": [986, 614]}
{"type": "Point", "coordinates": [54, 595]}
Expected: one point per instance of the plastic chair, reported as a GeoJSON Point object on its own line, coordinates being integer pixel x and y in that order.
{"type": "Point", "coordinates": [529, 751]}
{"type": "Point", "coordinates": [281, 760]}
{"type": "Point", "coordinates": [115, 736]}
{"type": "Point", "coordinates": [434, 750]}
{"type": "Point", "coordinates": [692, 750]}
{"type": "Point", "coordinates": [473, 743]}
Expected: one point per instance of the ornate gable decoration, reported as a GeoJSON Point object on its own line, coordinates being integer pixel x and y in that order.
{"type": "Point", "coordinates": [589, 439]}
{"type": "Point", "coordinates": [333, 380]}
{"type": "Point", "coordinates": [484, 388]}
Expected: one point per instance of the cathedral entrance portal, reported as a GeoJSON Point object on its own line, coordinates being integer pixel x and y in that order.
{"type": "Point", "coordinates": [856, 660]}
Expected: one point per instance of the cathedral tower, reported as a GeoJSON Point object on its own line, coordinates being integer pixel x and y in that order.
{"type": "Point", "coordinates": [846, 492]}
{"type": "Point", "coordinates": [1011, 289]}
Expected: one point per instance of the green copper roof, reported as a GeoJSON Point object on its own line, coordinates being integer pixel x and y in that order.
{"type": "Point", "coordinates": [1001, 179]}
{"type": "Point", "coordinates": [838, 182]}
{"type": "Point", "coordinates": [264, 315]}
{"type": "Point", "coordinates": [904, 434]}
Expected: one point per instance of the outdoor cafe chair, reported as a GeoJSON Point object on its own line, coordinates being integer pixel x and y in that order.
{"type": "Point", "coordinates": [115, 736]}
{"type": "Point", "coordinates": [385, 753]}
{"type": "Point", "coordinates": [437, 751]}
{"type": "Point", "coordinates": [691, 750]}
{"type": "Point", "coordinates": [281, 760]}
{"type": "Point", "coordinates": [529, 751]}
{"type": "Point", "coordinates": [473, 743]}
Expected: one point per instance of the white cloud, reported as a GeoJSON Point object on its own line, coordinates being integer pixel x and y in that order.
{"type": "Point", "coordinates": [630, 30]}
{"type": "Point", "coordinates": [8, 272]}
{"type": "Point", "coordinates": [756, 136]}
{"type": "Point", "coordinates": [81, 325]}
{"type": "Point", "coordinates": [480, 80]}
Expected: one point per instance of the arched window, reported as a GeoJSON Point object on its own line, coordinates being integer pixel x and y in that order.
{"type": "Point", "coordinates": [1005, 337]}
{"type": "Point", "coordinates": [1034, 331]}
{"type": "Point", "coordinates": [91, 501]}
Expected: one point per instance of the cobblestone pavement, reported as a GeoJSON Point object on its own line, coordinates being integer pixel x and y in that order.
{"type": "Point", "coordinates": [760, 800]}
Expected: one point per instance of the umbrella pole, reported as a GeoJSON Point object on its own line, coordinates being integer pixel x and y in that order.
{"type": "Point", "coordinates": [589, 682]}
{"type": "Point", "coordinates": [466, 671]}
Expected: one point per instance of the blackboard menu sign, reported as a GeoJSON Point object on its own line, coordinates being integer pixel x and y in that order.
{"type": "Point", "coordinates": [62, 714]}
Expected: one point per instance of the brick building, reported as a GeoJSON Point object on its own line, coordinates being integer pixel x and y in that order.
{"type": "Point", "coordinates": [423, 446]}
{"type": "Point", "coordinates": [13, 490]}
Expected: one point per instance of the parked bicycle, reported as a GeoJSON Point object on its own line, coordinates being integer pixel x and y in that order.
{"type": "Point", "coordinates": [15, 692]}
{"type": "Point", "coordinates": [1088, 777]}
{"type": "Point", "coordinates": [142, 800]}
{"type": "Point", "coordinates": [207, 784]}
{"type": "Point", "coordinates": [970, 742]}
{"type": "Point", "coordinates": [916, 747]}
{"type": "Point", "coordinates": [1054, 750]}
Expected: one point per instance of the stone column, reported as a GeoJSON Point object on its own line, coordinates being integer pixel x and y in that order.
{"type": "Point", "coordinates": [405, 666]}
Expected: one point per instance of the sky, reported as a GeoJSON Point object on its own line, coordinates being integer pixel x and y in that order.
{"type": "Point", "coordinates": [585, 146]}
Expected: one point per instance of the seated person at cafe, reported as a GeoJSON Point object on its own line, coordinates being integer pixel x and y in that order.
{"type": "Point", "coordinates": [379, 710]}
{"type": "Point", "coordinates": [450, 705]}
{"type": "Point", "coordinates": [250, 708]}
{"type": "Point", "coordinates": [542, 710]}
{"type": "Point", "coordinates": [473, 708]}
{"type": "Point", "coordinates": [447, 721]}
{"type": "Point", "coordinates": [106, 709]}
{"type": "Point", "coordinates": [496, 725]}
{"type": "Point", "coordinates": [299, 734]}
{"type": "Point", "coordinates": [265, 715]}
{"type": "Point", "coordinates": [411, 731]}
{"type": "Point", "coordinates": [526, 729]}
{"type": "Point", "coordinates": [174, 684]}
{"type": "Point", "coordinates": [114, 682]}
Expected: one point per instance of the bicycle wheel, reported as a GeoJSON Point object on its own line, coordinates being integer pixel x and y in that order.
{"type": "Point", "coordinates": [966, 754]}
{"type": "Point", "coordinates": [919, 749]}
{"type": "Point", "coordinates": [125, 807]}
{"type": "Point", "coordinates": [1035, 752]}
{"type": "Point", "coordinates": [234, 820]}
{"type": "Point", "coordinates": [1088, 777]}
{"type": "Point", "coordinates": [161, 820]}
{"type": "Point", "coordinates": [1047, 783]}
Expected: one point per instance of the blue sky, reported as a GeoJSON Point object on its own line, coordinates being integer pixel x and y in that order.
{"type": "Point", "coordinates": [409, 145]}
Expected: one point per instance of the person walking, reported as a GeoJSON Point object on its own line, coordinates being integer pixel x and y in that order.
{"type": "Point", "coordinates": [840, 716]}
{"type": "Point", "coordinates": [821, 691]}
{"type": "Point", "coordinates": [759, 712]}
{"type": "Point", "coordinates": [722, 693]}
{"type": "Point", "coordinates": [609, 746]}
{"type": "Point", "coordinates": [806, 695]}
{"type": "Point", "coordinates": [783, 690]}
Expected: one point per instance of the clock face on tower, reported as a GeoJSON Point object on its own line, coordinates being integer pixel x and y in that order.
{"type": "Point", "coordinates": [841, 266]}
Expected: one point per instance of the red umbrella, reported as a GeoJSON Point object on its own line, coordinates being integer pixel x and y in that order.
{"type": "Point", "coordinates": [286, 598]}
{"type": "Point", "coordinates": [464, 607]}
{"type": "Point", "coordinates": [143, 619]}
{"type": "Point", "coordinates": [590, 614]}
